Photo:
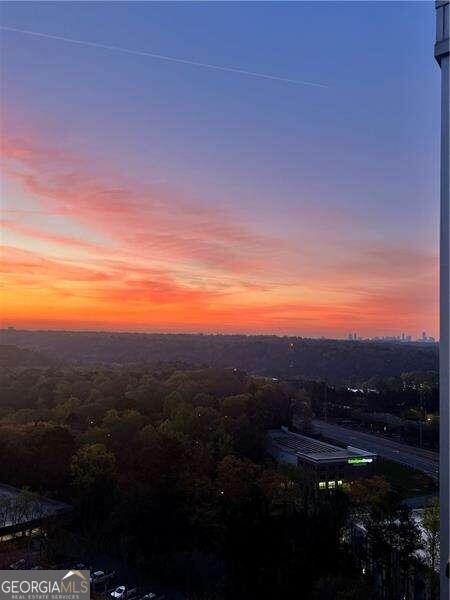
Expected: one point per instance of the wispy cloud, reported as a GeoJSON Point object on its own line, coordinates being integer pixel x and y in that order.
{"type": "Point", "coordinates": [154, 220]}
{"type": "Point", "coordinates": [38, 234]}
{"type": "Point", "coordinates": [161, 260]}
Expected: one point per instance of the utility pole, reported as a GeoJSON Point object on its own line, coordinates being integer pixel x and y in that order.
{"type": "Point", "coordinates": [441, 53]}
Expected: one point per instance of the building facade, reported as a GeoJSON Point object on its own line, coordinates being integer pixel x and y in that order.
{"type": "Point", "coordinates": [323, 466]}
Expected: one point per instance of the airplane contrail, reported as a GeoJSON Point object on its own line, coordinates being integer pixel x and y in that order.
{"type": "Point", "coordinates": [161, 57]}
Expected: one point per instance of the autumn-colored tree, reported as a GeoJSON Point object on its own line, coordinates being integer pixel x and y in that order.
{"type": "Point", "coordinates": [369, 495]}
{"type": "Point", "coordinates": [92, 466]}
{"type": "Point", "coordinates": [94, 475]}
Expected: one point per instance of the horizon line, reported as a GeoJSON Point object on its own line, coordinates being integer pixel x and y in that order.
{"type": "Point", "coordinates": [344, 337]}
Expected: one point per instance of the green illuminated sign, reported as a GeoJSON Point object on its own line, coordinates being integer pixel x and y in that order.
{"type": "Point", "coordinates": [359, 460]}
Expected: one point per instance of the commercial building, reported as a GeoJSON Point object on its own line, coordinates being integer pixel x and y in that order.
{"type": "Point", "coordinates": [23, 513]}
{"type": "Point", "coordinates": [323, 465]}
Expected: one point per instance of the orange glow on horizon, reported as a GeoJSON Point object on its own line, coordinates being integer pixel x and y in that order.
{"type": "Point", "coordinates": [85, 250]}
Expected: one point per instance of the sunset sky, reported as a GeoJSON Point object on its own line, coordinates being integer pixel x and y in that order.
{"type": "Point", "coordinates": [140, 193]}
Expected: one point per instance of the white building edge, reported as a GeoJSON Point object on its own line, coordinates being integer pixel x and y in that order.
{"type": "Point", "coordinates": [441, 53]}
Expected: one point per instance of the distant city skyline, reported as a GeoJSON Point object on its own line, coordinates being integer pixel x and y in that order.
{"type": "Point", "coordinates": [402, 337]}
{"type": "Point", "coordinates": [246, 180]}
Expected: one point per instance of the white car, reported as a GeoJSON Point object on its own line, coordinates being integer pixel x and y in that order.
{"type": "Point", "coordinates": [119, 593]}
{"type": "Point", "coordinates": [122, 592]}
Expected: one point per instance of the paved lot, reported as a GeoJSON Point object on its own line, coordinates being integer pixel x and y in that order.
{"type": "Point", "coordinates": [423, 460]}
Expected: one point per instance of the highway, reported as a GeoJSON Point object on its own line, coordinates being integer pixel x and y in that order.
{"type": "Point", "coordinates": [416, 458]}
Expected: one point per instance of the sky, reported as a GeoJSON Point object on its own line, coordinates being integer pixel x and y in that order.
{"type": "Point", "coordinates": [293, 190]}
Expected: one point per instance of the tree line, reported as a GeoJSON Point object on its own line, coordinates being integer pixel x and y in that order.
{"type": "Point", "coordinates": [167, 469]}
{"type": "Point", "coordinates": [269, 355]}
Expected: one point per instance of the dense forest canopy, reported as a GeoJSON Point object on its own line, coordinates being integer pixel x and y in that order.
{"type": "Point", "coordinates": [273, 356]}
{"type": "Point", "coordinates": [12, 356]}
{"type": "Point", "coordinates": [167, 468]}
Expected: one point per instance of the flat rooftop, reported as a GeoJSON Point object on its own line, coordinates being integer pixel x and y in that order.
{"type": "Point", "coordinates": [315, 450]}
{"type": "Point", "coordinates": [18, 507]}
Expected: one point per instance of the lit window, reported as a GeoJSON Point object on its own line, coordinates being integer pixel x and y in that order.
{"type": "Point", "coordinates": [322, 485]}
{"type": "Point", "coordinates": [340, 482]}
{"type": "Point", "coordinates": [331, 484]}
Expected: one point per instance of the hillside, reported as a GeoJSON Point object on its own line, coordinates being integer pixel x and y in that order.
{"type": "Point", "coordinates": [273, 356]}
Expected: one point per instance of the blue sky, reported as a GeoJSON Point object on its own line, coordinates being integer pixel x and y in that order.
{"type": "Point", "coordinates": [343, 176]}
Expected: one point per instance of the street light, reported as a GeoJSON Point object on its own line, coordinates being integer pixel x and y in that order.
{"type": "Point", "coordinates": [441, 52]}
